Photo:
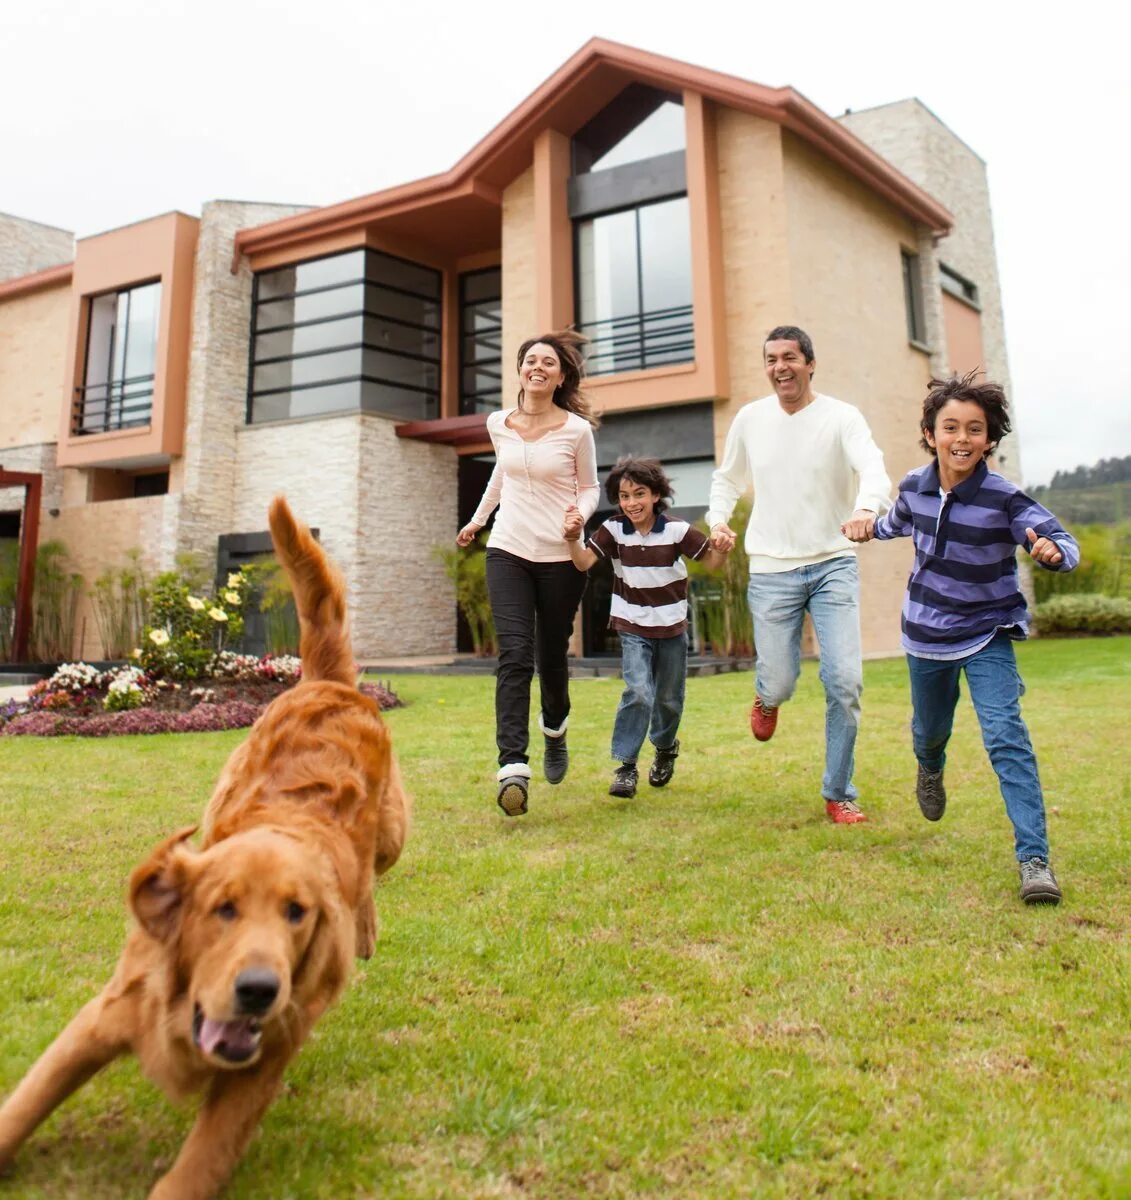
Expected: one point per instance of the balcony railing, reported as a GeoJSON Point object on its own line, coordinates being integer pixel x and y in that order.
{"type": "Point", "coordinates": [634, 343]}
{"type": "Point", "coordinates": [106, 407]}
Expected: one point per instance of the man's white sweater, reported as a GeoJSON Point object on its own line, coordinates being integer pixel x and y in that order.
{"type": "Point", "coordinates": [809, 471]}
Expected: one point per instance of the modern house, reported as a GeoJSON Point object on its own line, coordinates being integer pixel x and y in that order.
{"type": "Point", "coordinates": [164, 380]}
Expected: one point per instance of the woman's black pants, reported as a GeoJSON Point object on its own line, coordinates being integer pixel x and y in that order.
{"type": "Point", "coordinates": [534, 604]}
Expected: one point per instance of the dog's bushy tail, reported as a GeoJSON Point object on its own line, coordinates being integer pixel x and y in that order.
{"type": "Point", "coordinates": [320, 597]}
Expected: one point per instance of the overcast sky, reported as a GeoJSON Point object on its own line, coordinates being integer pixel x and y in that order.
{"type": "Point", "coordinates": [115, 111]}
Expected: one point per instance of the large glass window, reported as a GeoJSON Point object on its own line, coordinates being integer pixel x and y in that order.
{"type": "Point", "coordinates": [481, 341]}
{"type": "Point", "coordinates": [358, 331]}
{"type": "Point", "coordinates": [913, 298]}
{"type": "Point", "coordinates": [632, 233]}
{"type": "Point", "coordinates": [121, 360]}
{"type": "Point", "coordinates": [634, 287]}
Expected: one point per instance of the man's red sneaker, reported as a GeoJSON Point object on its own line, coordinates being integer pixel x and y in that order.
{"type": "Point", "coordinates": [763, 720]}
{"type": "Point", "coordinates": [844, 812]}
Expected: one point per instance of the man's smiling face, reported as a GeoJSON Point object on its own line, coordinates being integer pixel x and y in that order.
{"type": "Point", "coordinates": [789, 374]}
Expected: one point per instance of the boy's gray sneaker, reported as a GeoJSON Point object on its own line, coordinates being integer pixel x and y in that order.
{"type": "Point", "coordinates": [1038, 883]}
{"type": "Point", "coordinates": [930, 793]}
{"type": "Point", "coordinates": [663, 765]}
{"type": "Point", "coordinates": [624, 781]}
{"type": "Point", "coordinates": [555, 759]}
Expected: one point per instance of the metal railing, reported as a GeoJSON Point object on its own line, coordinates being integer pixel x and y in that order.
{"type": "Point", "coordinates": [639, 341]}
{"type": "Point", "coordinates": [105, 407]}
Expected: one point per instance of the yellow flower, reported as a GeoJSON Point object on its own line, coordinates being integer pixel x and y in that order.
{"type": "Point", "coordinates": [232, 597]}
{"type": "Point", "coordinates": [195, 603]}
{"type": "Point", "coordinates": [159, 637]}
{"type": "Point", "coordinates": [217, 614]}
{"type": "Point", "coordinates": [136, 653]}
{"type": "Point", "coordinates": [235, 579]}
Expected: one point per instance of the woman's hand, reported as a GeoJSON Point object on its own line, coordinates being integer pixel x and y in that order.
{"type": "Point", "coordinates": [572, 524]}
{"type": "Point", "coordinates": [467, 534]}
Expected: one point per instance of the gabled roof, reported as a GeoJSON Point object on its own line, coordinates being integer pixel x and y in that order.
{"type": "Point", "coordinates": [471, 191]}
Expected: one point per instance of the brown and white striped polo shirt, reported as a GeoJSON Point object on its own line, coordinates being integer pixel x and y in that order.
{"type": "Point", "coordinates": [650, 576]}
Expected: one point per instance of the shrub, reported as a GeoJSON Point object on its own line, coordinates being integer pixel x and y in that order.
{"type": "Point", "coordinates": [1084, 614]}
{"type": "Point", "coordinates": [467, 569]}
{"type": "Point", "coordinates": [187, 632]}
{"type": "Point", "coordinates": [119, 600]}
{"type": "Point", "coordinates": [55, 604]}
{"type": "Point", "coordinates": [718, 598]}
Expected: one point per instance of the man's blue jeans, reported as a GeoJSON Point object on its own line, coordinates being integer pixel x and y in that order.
{"type": "Point", "coordinates": [655, 675]}
{"type": "Point", "coordinates": [830, 592]}
{"type": "Point", "coordinates": [995, 691]}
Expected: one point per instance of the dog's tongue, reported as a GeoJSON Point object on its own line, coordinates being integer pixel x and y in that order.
{"type": "Point", "coordinates": [237, 1037]}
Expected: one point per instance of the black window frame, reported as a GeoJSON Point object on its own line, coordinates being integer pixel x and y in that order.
{"type": "Point", "coordinates": [913, 298]}
{"type": "Point", "coordinates": [473, 402]}
{"type": "Point", "coordinates": [371, 287]}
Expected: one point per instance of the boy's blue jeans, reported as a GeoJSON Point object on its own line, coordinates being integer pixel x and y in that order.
{"type": "Point", "coordinates": [995, 691]}
{"type": "Point", "coordinates": [655, 675]}
{"type": "Point", "coordinates": [830, 591]}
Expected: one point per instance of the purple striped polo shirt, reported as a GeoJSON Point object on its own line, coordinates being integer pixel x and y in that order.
{"type": "Point", "coordinates": [964, 587]}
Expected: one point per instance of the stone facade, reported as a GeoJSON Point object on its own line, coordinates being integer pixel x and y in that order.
{"type": "Point", "coordinates": [915, 141]}
{"type": "Point", "coordinates": [28, 246]}
{"type": "Point", "coordinates": [380, 504]}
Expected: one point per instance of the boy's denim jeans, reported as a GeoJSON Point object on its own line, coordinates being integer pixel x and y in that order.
{"type": "Point", "coordinates": [995, 691]}
{"type": "Point", "coordinates": [655, 674]}
{"type": "Point", "coordinates": [830, 591]}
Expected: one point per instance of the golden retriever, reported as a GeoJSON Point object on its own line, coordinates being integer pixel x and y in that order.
{"type": "Point", "coordinates": [239, 947]}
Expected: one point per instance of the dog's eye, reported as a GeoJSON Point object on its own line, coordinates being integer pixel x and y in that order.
{"type": "Point", "coordinates": [225, 911]}
{"type": "Point", "coordinates": [295, 912]}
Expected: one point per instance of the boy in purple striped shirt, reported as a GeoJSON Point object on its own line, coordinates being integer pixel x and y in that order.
{"type": "Point", "coordinates": [963, 608]}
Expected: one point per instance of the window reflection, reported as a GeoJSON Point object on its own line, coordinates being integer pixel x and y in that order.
{"type": "Point", "coordinates": [121, 360]}
{"type": "Point", "coordinates": [358, 331]}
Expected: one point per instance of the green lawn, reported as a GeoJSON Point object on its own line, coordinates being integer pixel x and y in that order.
{"type": "Point", "coordinates": [708, 991]}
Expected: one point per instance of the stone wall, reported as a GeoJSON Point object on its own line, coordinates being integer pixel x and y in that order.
{"type": "Point", "coordinates": [28, 246]}
{"type": "Point", "coordinates": [380, 503]}
{"type": "Point", "coordinates": [916, 142]}
{"type": "Point", "coordinates": [216, 396]}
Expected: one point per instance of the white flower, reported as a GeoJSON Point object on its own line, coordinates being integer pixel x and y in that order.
{"type": "Point", "coordinates": [232, 597]}
{"type": "Point", "coordinates": [159, 637]}
{"type": "Point", "coordinates": [217, 614]}
{"type": "Point", "coordinates": [195, 603]}
{"type": "Point", "coordinates": [235, 579]}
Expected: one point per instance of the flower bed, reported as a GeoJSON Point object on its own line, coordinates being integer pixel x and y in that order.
{"type": "Point", "coordinates": [80, 700]}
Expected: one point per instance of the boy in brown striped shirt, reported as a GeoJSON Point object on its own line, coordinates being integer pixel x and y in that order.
{"type": "Point", "coordinates": [649, 610]}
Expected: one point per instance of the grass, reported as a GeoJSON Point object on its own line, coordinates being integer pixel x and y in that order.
{"type": "Point", "coordinates": [707, 991]}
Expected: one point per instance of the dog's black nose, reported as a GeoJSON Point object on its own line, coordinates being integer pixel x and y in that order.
{"type": "Point", "coordinates": [256, 989]}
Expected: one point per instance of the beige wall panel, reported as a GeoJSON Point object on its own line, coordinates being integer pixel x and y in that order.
{"type": "Point", "coordinates": [520, 258]}
{"type": "Point", "coordinates": [964, 349]}
{"type": "Point", "coordinates": [848, 286]}
{"type": "Point", "coordinates": [98, 537]}
{"type": "Point", "coordinates": [755, 251]}
{"type": "Point", "coordinates": [33, 349]}
{"type": "Point", "coordinates": [380, 504]}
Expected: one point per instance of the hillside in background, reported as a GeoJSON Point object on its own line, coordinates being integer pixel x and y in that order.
{"type": "Point", "coordinates": [1095, 495]}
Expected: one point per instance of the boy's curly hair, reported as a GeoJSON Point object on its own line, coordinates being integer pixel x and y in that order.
{"type": "Point", "coordinates": [648, 472]}
{"type": "Point", "coordinates": [989, 397]}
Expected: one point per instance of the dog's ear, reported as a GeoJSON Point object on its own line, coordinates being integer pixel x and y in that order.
{"type": "Point", "coordinates": [325, 967]}
{"type": "Point", "coordinates": [158, 886]}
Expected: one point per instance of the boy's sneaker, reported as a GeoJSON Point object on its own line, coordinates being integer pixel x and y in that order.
{"type": "Point", "coordinates": [555, 758]}
{"type": "Point", "coordinates": [663, 765]}
{"type": "Point", "coordinates": [1038, 883]}
{"type": "Point", "coordinates": [514, 782]}
{"type": "Point", "coordinates": [624, 781]}
{"type": "Point", "coordinates": [844, 812]}
{"type": "Point", "coordinates": [763, 720]}
{"type": "Point", "coordinates": [930, 793]}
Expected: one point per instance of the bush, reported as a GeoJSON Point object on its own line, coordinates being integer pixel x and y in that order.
{"type": "Point", "coordinates": [467, 569]}
{"type": "Point", "coordinates": [187, 632]}
{"type": "Point", "coordinates": [718, 598]}
{"type": "Point", "coordinates": [1084, 614]}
